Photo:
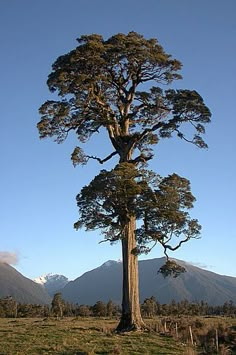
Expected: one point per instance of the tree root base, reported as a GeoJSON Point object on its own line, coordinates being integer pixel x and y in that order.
{"type": "Point", "coordinates": [125, 326]}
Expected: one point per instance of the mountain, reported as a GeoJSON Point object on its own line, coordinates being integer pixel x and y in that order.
{"type": "Point", "coordinates": [53, 283]}
{"type": "Point", "coordinates": [101, 284]}
{"type": "Point", "coordinates": [22, 289]}
{"type": "Point", "coordinates": [105, 283]}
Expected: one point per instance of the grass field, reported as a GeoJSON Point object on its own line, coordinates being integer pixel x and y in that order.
{"type": "Point", "coordinates": [78, 336]}
{"type": "Point", "coordinates": [89, 336]}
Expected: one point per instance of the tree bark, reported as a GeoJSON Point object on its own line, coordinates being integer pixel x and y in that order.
{"type": "Point", "coordinates": [131, 316]}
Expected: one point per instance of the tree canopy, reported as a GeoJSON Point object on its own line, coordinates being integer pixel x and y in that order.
{"type": "Point", "coordinates": [118, 84]}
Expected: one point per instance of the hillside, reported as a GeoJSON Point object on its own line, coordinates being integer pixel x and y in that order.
{"type": "Point", "coordinates": [105, 283]}
{"type": "Point", "coordinates": [22, 289]}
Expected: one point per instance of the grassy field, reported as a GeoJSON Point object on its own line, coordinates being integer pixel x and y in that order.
{"type": "Point", "coordinates": [78, 336]}
{"type": "Point", "coordinates": [83, 336]}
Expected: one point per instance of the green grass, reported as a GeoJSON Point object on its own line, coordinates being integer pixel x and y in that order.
{"type": "Point", "coordinates": [77, 337]}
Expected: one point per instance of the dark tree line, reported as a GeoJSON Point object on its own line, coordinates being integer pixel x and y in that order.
{"type": "Point", "coordinates": [150, 307]}
{"type": "Point", "coordinates": [9, 308]}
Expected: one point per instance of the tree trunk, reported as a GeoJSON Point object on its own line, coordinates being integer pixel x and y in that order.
{"type": "Point", "coordinates": [131, 316]}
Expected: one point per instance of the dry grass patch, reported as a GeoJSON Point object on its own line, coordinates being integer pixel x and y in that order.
{"type": "Point", "coordinates": [205, 335]}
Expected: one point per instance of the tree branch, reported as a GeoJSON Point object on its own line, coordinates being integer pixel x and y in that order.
{"type": "Point", "coordinates": [148, 130]}
{"type": "Point", "coordinates": [101, 161]}
{"type": "Point", "coordinates": [177, 246]}
{"type": "Point", "coordinates": [141, 159]}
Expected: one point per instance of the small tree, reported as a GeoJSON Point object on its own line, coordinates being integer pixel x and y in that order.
{"type": "Point", "coordinates": [8, 307]}
{"type": "Point", "coordinates": [100, 309]}
{"type": "Point", "coordinates": [116, 86]}
{"type": "Point", "coordinates": [58, 305]}
{"type": "Point", "coordinates": [112, 309]}
{"type": "Point", "coordinates": [83, 311]}
{"type": "Point", "coordinates": [149, 307]}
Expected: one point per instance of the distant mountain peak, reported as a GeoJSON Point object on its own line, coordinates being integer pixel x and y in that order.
{"type": "Point", "coordinates": [50, 277]}
{"type": "Point", "coordinates": [111, 263]}
{"type": "Point", "coordinates": [52, 282]}
{"type": "Point", "coordinates": [41, 279]}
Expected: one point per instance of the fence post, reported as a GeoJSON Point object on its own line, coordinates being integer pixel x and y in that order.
{"type": "Point", "coordinates": [176, 330]}
{"type": "Point", "coordinates": [165, 328]}
{"type": "Point", "coordinates": [191, 334]}
{"type": "Point", "coordinates": [217, 341]}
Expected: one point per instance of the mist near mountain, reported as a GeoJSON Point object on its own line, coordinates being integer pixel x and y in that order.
{"type": "Point", "coordinates": [22, 289]}
{"type": "Point", "coordinates": [8, 257]}
{"type": "Point", "coordinates": [195, 285]}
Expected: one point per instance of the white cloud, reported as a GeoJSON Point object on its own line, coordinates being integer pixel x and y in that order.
{"type": "Point", "coordinates": [201, 265]}
{"type": "Point", "coordinates": [8, 258]}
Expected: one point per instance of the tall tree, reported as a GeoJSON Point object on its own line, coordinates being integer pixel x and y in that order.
{"type": "Point", "coordinates": [117, 85]}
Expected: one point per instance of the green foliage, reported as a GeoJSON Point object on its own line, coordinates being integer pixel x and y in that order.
{"type": "Point", "coordinates": [160, 204]}
{"type": "Point", "coordinates": [109, 200]}
{"type": "Point", "coordinates": [112, 309]}
{"type": "Point", "coordinates": [149, 307]}
{"type": "Point", "coordinates": [100, 85]}
{"type": "Point", "coordinates": [83, 311]}
{"type": "Point", "coordinates": [171, 268]}
{"type": "Point", "coordinates": [100, 309]}
{"type": "Point", "coordinates": [164, 209]}
{"type": "Point", "coordinates": [8, 307]}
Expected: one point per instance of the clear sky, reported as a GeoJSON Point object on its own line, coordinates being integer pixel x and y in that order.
{"type": "Point", "coordinates": [38, 181]}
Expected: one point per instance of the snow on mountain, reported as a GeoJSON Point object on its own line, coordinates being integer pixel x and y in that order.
{"type": "Point", "coordinates": [42, 279]}
{"type": "Point", "coordinates": [52, 282]}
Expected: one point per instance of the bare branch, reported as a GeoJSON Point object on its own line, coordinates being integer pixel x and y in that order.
{"type": "Point", "coordinates": [101, 161]}
{"type": "Point", "coordinates": [177, 246]}
{"type": "Point", "coordinates": [182, 136]}
{"type": "Point", "coordinates": [197, 140]}
{"type": "Point", "coordinates": [106, 240]}
{"type": "Point", "coordinates": [154, 244]}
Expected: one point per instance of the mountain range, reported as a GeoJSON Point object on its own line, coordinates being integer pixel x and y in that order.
{"type": "Point", "coordinates": [104, 283]}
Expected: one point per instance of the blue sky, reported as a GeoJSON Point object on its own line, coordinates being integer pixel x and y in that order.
{"type": "Point", "coordinates": [39, 183]}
